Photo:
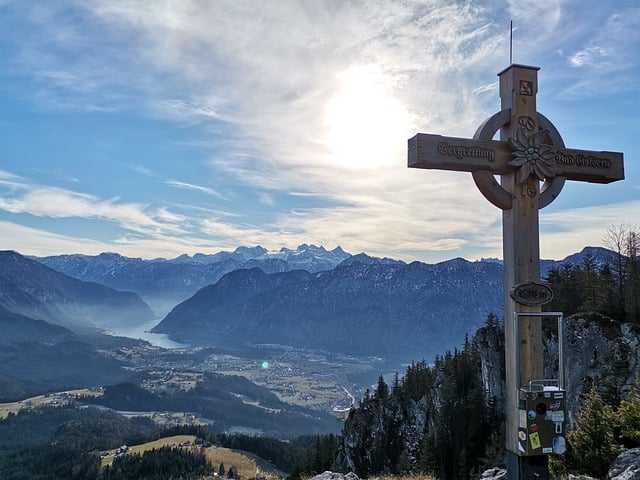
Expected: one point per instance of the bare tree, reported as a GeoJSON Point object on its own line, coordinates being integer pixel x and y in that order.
{"type": "Point", "coordinates": [615, 239]}
{"type": "Point", "coordinates": [624, 241]}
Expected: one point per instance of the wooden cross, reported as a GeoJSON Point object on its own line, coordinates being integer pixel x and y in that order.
{"type": "Point", "coordinates": [532, 162]}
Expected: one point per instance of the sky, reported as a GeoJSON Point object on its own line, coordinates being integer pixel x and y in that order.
{"type": "Point", "coordinates": [157, 128]}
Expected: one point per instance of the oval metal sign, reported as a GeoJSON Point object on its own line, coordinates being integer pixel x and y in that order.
{"type": "Point", "coordinates": [531, 293]}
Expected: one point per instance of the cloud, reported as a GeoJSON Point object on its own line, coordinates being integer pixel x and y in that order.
{"type": "Point", "coordinates": [605, 52]}
{"type": "Point", "coordinates": [54, 202]}
{"type": "Point", "coordinates": [190, 110]}
{"type": "Point", "coordinates": [539, 16]}
{"type": "Point", "coordinates": [147, 172]}
{"type": "Point", "coordinates": [266, 199]}
{"type": "Point", "coordinates": [197, 188]}
{"type": "Point", "coordinates": [608, 48]}
{"type": "Point", "coordinates": [563, 230]}
{"type": "Point", "coordinates": [589, 57]}
{"type": "Point", "coordinates": [9, 179]}
{"type": "Point", "coordinates": [34, 241]}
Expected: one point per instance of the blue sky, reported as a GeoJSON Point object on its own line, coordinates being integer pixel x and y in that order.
{"type": "Point", "coordinates": [156, 128]}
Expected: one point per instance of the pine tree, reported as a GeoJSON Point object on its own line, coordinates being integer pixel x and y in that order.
{"type": "Point", "coordinates": [628, 419]}
{"type": "Point", "coordinates": [395, 389]}
{"type": "Point", "coordinates": [592, 444]}
{"type": "Point", "coordinates": [382, 390]}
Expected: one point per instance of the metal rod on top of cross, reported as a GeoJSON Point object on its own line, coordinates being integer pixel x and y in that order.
{"type": "Point", "coordinates": [533, 163]}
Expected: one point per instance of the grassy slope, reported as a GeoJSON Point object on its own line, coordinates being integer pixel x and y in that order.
{"type": "Point", "coordinates": [245, 466]}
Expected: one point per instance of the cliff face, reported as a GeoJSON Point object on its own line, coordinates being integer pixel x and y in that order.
{"type": "Point", "coordinates": [599, 352]}
{"type": "Point", "coordinates": [395, 427]}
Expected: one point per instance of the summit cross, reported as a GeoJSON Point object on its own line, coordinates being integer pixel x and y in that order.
{"type": "Point", "coordinates": [532, 164]}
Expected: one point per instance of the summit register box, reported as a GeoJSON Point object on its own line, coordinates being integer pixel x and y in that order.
{"type": "Point", "coordinates": [541, 418]}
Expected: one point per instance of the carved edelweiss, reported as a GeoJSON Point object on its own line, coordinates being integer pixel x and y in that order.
{"type": "Point", "coordinates": [532, 156]}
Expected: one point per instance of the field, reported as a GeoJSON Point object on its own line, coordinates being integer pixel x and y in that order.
{"type": "Point", "coordinates": [49, 400]}
{"type": "Point", "coordinates": [242, 464]}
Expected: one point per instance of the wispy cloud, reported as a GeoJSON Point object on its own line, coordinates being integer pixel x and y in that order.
{"type": "Point", "coordinates": [142, 170]}
{"type": "Point", "coordinates": [40, 242]}
{"type": "Point", "coordinates": [610, 46]}
{"type": "Point", "coordinates": [589, 57]}
{"type": "Point", "coordinates": [266, 199]}
{"type": "Point", "coordinates": [54, 202]}
{"type": "Point", "coordinates": [197, 188]}
{"type": "Point", "coordinates": [609, 51]}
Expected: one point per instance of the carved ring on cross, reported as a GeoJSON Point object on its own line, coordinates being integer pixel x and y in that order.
{"type": "Point", "coordinates": [486, 182]}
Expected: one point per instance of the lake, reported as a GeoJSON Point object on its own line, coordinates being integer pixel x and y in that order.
{"type": "Point", "coordinates": [143, 332]}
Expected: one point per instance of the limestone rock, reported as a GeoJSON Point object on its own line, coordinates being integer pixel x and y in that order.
{"type": "Point", "coordinates": [580, 477]}
{"type": "Point", "coordinates": [626, 466]}
{"type": "Point", "coordinates": [336, 476]}
{"type": "Point", "coordinates": [494, 473]}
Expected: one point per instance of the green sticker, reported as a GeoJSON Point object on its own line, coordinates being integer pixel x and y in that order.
{"type": "Point", "coordinates": [534, 439]}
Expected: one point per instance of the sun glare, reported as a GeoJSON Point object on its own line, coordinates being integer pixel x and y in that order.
{"type": "Point", "coordinates": [365, 125]}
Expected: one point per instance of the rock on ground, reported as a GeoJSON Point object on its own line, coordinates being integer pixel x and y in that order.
{"type": "Point", "coordinates": [336, 476]}
{"type": "Point", "coordinates": [626, 466]}
{"type": "Point", "coordinates": [494, 473]}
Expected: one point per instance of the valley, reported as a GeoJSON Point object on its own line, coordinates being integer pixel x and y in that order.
{"type": "Point", "coordinates": [173, 378]}
{"type": "Point", "coordinates": [319, 380]}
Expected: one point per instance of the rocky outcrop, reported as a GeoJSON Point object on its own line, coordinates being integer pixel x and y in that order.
{"type": "Point", "coordinates": [393, 427]}
{"type": "Point", "coordinates": [336, 476]}
{"type": "Point", "coordinates": [626, 466]}
{"type": "Point", "coordinates": [490, 342]}
{"type": "Point", "coordinates": [494, 473]}
{"type": "Point", "coordinates": [598, 352]}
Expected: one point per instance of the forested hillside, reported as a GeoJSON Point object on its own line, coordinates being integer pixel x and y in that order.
{"type": "Point", "coordinates": [435, 418]}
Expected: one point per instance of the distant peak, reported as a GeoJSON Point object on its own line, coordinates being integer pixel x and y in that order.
{"type": "Point", "coordinates": [256, 249]}
{"type": "Point", "coordinates": [490, 260]}
{"type": "Point", "coordinates": [104, 255]}
{"type": "Point", "coordinates": [305, 246]}
{"type": "Point", "coordinates": [365, 259]}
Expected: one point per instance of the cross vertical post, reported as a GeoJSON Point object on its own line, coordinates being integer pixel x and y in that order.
{"type": "Point", "coordinates": [521, 255]}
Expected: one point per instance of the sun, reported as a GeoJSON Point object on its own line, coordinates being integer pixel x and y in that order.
{"type": "Point", "coordinates": [366, 126]}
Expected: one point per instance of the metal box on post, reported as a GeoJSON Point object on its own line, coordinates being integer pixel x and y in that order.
{"type": "Point", "coordinates": [541, 418]}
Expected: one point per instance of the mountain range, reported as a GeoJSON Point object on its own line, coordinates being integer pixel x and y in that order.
{"type": "Point", "coordinates": [163, 283]}
{"type": "Point", "coordinates": [310, 297]}
{"type": "Point", "coordinates": [362, 306]}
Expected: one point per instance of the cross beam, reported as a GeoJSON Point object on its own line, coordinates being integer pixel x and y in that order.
{"type": "Point", "coordinates": [459, 154]}
{"type": "Point", "coordinates": [532, 164]}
